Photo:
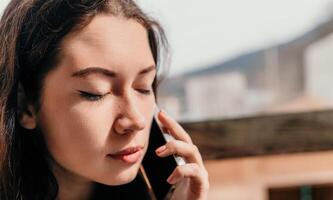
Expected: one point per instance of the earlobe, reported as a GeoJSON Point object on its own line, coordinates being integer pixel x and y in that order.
{"type": "Point", "coordinates": [28, 118]}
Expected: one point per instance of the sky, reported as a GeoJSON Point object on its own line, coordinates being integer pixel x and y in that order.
{"type": "Point", "coordinates": [207, 32]}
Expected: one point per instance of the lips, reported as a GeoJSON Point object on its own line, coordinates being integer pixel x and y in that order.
{"type": "Point", "coordinates": [129, 155]}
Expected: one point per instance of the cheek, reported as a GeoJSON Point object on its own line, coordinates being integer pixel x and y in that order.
{"type": "Point", "coordinates": [78, 131]}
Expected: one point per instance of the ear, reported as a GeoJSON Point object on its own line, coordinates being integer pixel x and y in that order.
{"type": "Point", "coordinates": [28, 118]}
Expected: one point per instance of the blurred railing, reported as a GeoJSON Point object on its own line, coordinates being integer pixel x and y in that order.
{"type": "Point", "coordinates": [262, 135]}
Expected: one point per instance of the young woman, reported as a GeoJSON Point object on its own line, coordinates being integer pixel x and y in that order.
{"type": "Point", "coordinates": [78, 81]}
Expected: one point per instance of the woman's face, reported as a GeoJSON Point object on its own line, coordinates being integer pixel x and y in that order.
{"type": "Point", "coordinates": [98, 101]}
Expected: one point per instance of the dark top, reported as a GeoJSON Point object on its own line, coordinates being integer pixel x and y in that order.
{"type": "Point", "coordinates": [134, 190]}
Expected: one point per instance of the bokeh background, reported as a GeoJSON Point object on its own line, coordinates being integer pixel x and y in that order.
{"type": "Point", "coordinates": [242, 58]}
{"type": "Point", "coordinates": [251, 82]}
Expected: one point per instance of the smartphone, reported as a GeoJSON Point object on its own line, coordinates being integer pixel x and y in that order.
{"type": "Point", "coordinates": [155, 169]}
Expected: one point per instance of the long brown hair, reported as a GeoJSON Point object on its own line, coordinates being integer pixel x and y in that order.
{"type": "Point", "coordinates": [30, 35]}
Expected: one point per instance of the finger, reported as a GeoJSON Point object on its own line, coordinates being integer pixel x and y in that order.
{"type": "Point", "coordinates": [174, 127]}
{"type": "Point", "coordinates": [198, 176]}
{"type": "Point", "coordinates": [188, 151]}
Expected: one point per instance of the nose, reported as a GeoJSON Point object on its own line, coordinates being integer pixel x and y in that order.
{"type": "Point", "coordinates": [129, 120]}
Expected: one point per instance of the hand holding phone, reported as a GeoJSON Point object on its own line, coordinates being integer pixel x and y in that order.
{"type": "Point", "coordinates": [157, 169]}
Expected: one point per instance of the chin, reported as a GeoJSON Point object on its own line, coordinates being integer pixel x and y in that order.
{"type": "Point", "coordinates": [123, 177]}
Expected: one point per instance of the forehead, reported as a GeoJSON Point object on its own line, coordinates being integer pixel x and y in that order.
{"type": "Point", "coordinates": [108, 41]}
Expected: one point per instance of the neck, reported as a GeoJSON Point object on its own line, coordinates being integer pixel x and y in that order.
{"type": "Point", "coordinates": [71, 186]}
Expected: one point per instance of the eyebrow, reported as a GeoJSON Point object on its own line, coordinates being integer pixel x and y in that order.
{"type": "Point", "coordinates": [99, 70]}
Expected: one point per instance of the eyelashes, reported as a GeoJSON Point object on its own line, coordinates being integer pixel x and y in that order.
{"type": "Point", "coordinates": [144, 91]}
{"type": "Point", "coordinates": [90, 96]}
{"type": "Point", "coordinates": [97, 97]}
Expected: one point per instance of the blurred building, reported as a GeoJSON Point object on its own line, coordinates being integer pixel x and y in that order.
{"type": "Point", "coordinates": [272, 157]}
{"type": "Point", "coordinates": [203, 100]}
{"type": "Point", "coordinates": [281, 154]}
{"type": "Point", "coordinates": [319, 68]}
{"type": "Point", "coordinates": [266, 80]}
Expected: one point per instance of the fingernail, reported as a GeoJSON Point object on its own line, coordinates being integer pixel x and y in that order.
{"type": "Point", "coordinates": [163, 111]}
{"type": "Point", "coordinates": [161, 149]}
{"type": "Point", "coordinates": [170, 179]}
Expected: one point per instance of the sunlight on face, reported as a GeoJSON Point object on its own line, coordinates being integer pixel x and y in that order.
{"type": "Point", "coordinates": [99, 101]}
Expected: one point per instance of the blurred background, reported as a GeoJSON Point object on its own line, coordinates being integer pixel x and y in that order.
{"type": "Point", "coordinates": [251, 81]}
{"type": "Point", "coordinates": [232, 59]}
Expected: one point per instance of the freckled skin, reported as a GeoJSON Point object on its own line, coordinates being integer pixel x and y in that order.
{"type": "Point", "coordinates": [79, 132]}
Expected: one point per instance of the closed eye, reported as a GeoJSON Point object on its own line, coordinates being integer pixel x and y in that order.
{"type": "Point", "coordinates": [145, 91]}
{"type": "Point", "coordinates": [90, 96]}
